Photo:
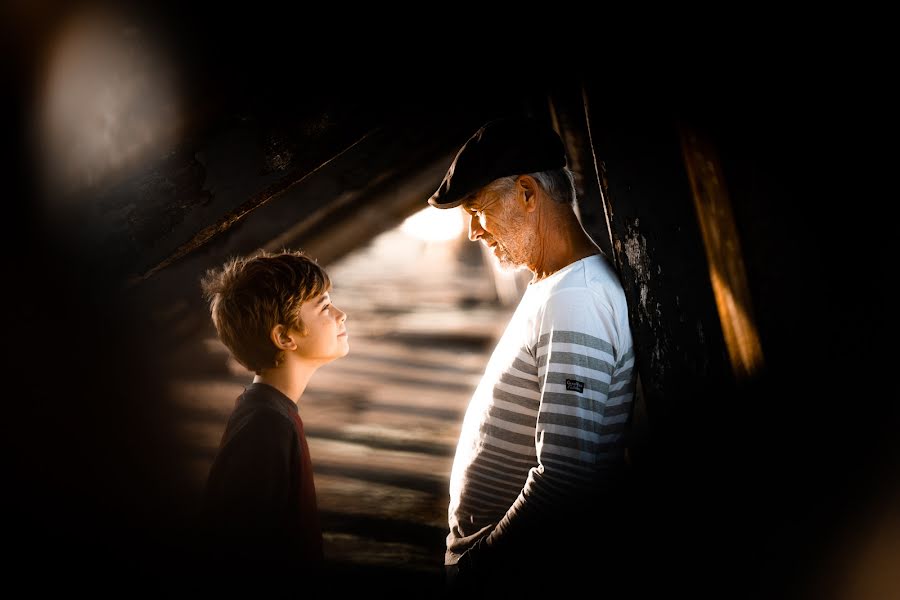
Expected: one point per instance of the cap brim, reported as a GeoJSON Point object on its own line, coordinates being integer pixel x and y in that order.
{"type": "Point", "coordinates": [449, 204]}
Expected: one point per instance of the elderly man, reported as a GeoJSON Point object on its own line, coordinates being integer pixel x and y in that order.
{"type": "Point", "coordinates": [542, 443]}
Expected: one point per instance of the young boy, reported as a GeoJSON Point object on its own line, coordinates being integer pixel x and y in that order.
{"type": "Point", "coordinates": [274, 313]}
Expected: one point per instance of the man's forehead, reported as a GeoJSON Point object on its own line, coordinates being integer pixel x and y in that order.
{"type": "Point", "coordinates": [474, 200]}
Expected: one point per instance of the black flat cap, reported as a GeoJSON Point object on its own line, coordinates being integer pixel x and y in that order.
{"type": "Point", "coordinates": [501, 148]}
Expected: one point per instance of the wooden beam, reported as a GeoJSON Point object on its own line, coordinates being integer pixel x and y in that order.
{"type": "Point", "coordinates": [723, 252]}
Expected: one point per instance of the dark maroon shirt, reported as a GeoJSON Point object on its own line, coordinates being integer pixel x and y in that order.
{"type": "Point", "coordinates": [260, 497]}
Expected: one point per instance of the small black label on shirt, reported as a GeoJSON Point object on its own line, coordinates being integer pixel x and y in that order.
{"type": "Point", "coordinates": [575, 386]}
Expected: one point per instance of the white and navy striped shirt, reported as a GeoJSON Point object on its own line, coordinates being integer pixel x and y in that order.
{"type": "Point", "coordinates": [546, 423]}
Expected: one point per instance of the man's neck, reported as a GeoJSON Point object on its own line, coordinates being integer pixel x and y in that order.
{"type": "Point", "coordinates": [562, 242]}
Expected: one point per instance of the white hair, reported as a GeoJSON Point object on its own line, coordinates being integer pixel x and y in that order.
{"type": "Point", "coordinates": [559, 184]}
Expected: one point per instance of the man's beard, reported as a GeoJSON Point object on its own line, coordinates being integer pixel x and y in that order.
{"type": "Point", "coordinates": [514, 254]}
{"type": "Point", "coordinates": [515, 251]}
{"type": "Point", "coordinates": [506, 260]}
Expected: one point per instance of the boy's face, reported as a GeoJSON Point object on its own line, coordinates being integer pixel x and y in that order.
{"type": "Point", "coordinates": [326, 333]}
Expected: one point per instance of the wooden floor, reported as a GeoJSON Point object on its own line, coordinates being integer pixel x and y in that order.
{"type": "Point", "coordinates": [382, 422]}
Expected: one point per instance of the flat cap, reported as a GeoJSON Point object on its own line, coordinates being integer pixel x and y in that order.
{"type": "Point", "coordinates": [500, 148]}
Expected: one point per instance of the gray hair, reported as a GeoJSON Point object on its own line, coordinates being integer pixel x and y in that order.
{"type": "Point", "coordinates": [559, 184]}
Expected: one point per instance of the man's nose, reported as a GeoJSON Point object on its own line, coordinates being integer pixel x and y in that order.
{"type": "Point", "coordinates": [475, 230]}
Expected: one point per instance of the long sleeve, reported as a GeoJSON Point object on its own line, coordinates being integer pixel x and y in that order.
{"type": "Point", "coordinates": [585, 386]}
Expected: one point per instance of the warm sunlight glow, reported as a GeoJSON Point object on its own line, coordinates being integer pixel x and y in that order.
{"type": "Point", "coordinates": [739, 330]}
{"type": "Point", "coordinates": [434, 224]}
{"type": "Point", "coordinates": [723, 251]}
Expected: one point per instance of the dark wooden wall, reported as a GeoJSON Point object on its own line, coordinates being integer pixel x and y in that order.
{"type": "Point", "coordinates": [746, 466]}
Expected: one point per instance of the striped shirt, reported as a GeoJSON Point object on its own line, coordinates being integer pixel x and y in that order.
{"type": "Point", "coordinates": [546, 424]}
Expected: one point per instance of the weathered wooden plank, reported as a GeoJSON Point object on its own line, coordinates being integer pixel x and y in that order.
{"type": "Point", "coordinates": [659, 252]}
{"type": "Point", "coordinates": [723, 251]}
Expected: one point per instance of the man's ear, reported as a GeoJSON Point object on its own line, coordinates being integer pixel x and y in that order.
{"type": "Point", "coordinates": [282, 338]}
{"type": "Point", "coordinates": [526, 192]}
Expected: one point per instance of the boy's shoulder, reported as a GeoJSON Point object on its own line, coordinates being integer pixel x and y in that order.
{"type": "Point", "coordinates": [263, 399]}
{"type": "Point", "coordinates": [261, 411]}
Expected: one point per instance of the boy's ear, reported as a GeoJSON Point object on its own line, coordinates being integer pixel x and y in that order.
{"type": "Point", "coordinates": [282, 338]}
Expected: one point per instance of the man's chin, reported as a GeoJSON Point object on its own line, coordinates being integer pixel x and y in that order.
{"type": "Point", "coordinates": [509, 265]}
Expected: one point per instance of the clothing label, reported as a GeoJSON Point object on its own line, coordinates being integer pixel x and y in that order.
{"type": "Point", "coordinates": [574, 386]}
